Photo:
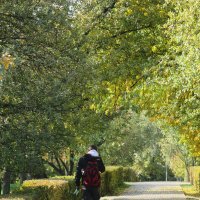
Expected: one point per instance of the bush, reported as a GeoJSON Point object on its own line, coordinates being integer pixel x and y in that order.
{"type": "Point", "coordinates": [111, 180]}
{"type": "Point", "coordinates": [62, 187]}
{"type": "Point", "coordinates": [71, 187]}
{"type": "Point", "coordinates": [195, 177]}
{"type": "Point", "coordinates": [129, 174]}
{"type": "Point", "coordinates": [47, 189]}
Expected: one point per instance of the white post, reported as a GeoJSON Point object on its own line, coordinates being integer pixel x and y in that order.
{"type": "Point", "coordinates": [166, 172]}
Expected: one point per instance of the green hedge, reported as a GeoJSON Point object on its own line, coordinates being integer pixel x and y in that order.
{"type": "Point", "coordinates": [62, 187]}
{"type": "Point", "coordinates": [195, 177]}
{"type": "Point", "coordinates": [111, 179]}
{"type": "Point", "coordinates": [129, 175]}
{"type": "Point", "coordinates": [46, 189]}
{"type": "Point", "coordinates": [58, 188]}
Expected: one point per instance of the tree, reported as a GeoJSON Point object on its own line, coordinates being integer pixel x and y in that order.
{"type": "Point", "coordinates": [41, 93]}
{"type": "Point", "coordinates": [127, 144]}
{"type": "Point", "coordinates": [122, 37]}
{"type": "Point", "coordinates": [172, 92]}
{"type": "Point", "coordinates": [176, 154]}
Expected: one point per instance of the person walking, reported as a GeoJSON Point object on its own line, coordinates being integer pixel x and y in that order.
{"type": "Point", "coordinates": [88, 174]}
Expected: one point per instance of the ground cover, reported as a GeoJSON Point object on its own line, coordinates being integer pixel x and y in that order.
{"type": "Point", "coordinates": [190, 191]}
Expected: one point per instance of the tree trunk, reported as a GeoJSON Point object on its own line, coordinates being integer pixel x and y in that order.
{"type": "Point", "coordinates": [60, 171]}
{"type": "Point", "coordinates": [6, 182]}
{"type": "Point", "coordinates": [187, 175]}
{"type": "Point", "coordinates": [0, 186]}
{"type": "Point", "coordinates": [71, 163]}
{"type": "Point", "coordinates": [40, 171]}
{"type": "Point", "coordinates": [22, 177]}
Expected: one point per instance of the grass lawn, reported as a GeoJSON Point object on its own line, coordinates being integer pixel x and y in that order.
{"type": "Point", "coordinates": [190, 191]}
{"type": "Point", "coordinates": [15, 188]}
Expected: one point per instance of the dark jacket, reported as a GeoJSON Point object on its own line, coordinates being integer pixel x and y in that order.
{"type": "Point", "coordinates": [83, 163]}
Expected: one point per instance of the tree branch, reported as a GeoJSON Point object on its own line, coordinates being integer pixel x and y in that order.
{"type": "Point", "coordinates": [131, 30]}
{"type": "Point", "coordinates": [103, 13]}
{"type": "Point", "coordinates": [13, 38]}
{"type": "Point", "coordinates": [21, 108]}
{"type": "Point", "coordinates": [58, 162]}
{"type": "Point", "coordinates": [54, 167]}
{"type": "Point", "coordinates": [64, 165]}
{"type": "Point", "coordinates": [18, 17]}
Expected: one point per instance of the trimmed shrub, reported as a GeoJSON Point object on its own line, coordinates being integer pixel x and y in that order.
{"type": "Point", "coordinates": [66, 178]}
{"type": "Point", "coordinates": [47, 189]}
{"type": "Point", "coordinates": [111, 180]}
{"type": "Point", "coordinates": [63, 187]}
{"type": "Point", "coordinates": [70, 186]}
{"type": "Point", "coordinates": [195, 177]}
{"type": "Point", "coordinates": [129, 174]}
{"type": "Point", "coordinates": [17, 197]}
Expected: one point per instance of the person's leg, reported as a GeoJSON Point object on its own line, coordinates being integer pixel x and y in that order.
{"type": "Point", "coordinates": [87, 194]}
{"type": "Point", "coordinates": [95, 194]}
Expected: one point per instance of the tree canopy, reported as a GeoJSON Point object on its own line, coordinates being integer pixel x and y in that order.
{"type": "Point", "coordinates": [79, 72]}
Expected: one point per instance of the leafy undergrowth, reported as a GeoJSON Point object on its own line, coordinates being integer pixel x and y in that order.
{"type": "Point", "coordinates": [121, 189]}
{"type": "Point", "coordinates": [16, 197]}
{"type": "Point", "coordinates": [190, 191]}
{"type": "Point", "coordinates": [16, 194]}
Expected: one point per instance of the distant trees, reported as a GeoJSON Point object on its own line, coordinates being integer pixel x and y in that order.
{"type": "Point", "coordinates": [133, 140]}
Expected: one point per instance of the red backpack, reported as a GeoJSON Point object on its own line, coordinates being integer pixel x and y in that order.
{"type": "Point", "coordinates": [91, 176]}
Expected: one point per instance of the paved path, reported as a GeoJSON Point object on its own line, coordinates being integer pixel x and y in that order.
{"type": "Point", "coordinates": [151, 190]}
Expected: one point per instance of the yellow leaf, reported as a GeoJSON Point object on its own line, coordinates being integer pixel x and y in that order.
{"type": "Point", "coordinates": [154, 49]}
{"type": "Point", "coordinates": [7, 60]}
{"type": "Point", "coordinates": [129, 12]}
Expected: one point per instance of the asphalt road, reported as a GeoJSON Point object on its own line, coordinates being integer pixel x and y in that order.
{"type": "Point", "coordinates": [151, 190]}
